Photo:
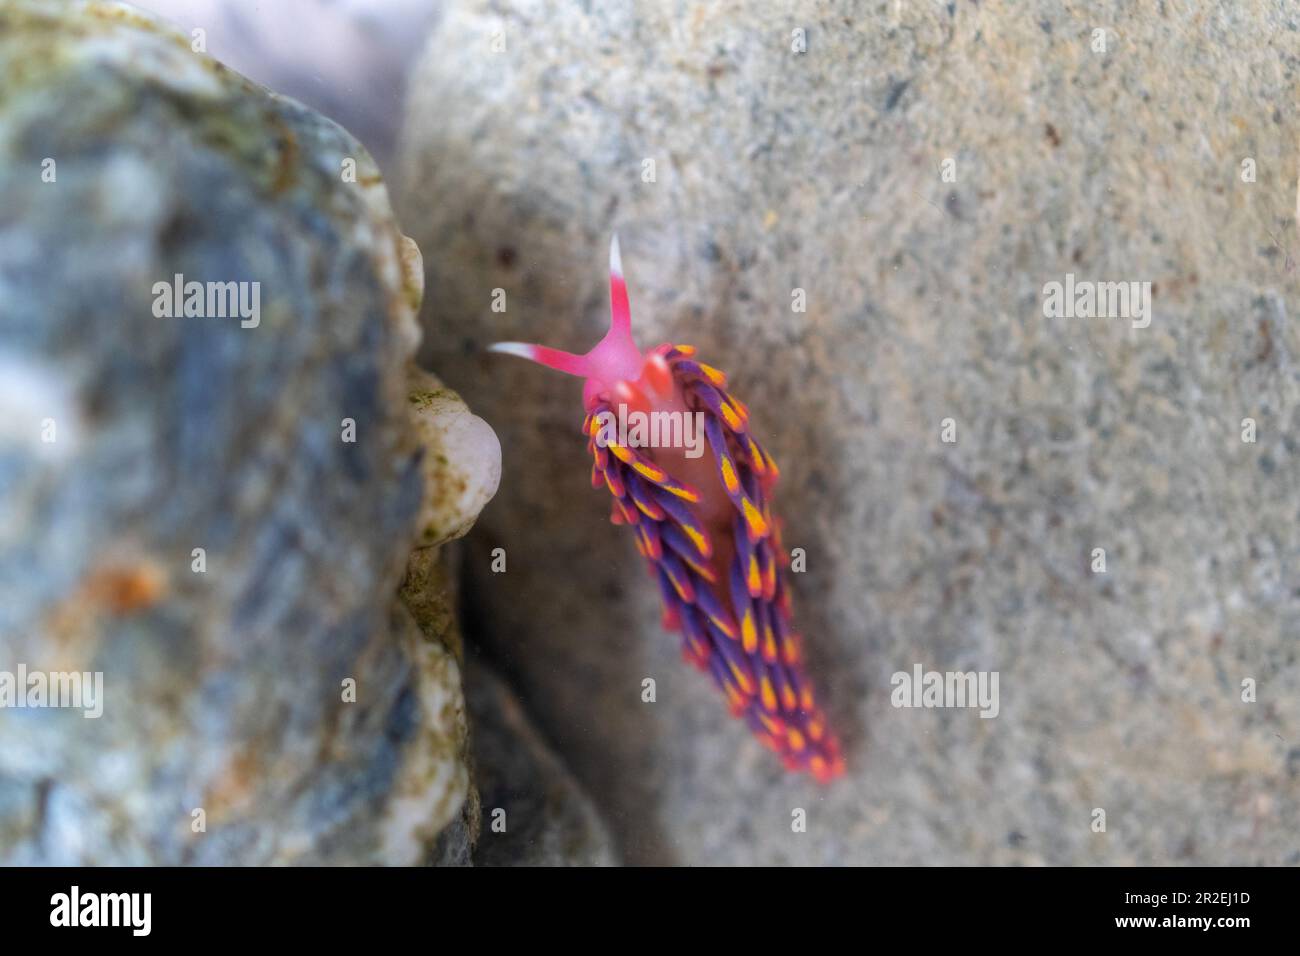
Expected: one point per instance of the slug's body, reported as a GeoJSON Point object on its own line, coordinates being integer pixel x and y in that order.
{"type": "Point", "coordinates": [705, 526]}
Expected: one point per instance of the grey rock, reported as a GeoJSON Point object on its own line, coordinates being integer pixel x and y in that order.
{"type": "Point", "coordinates": [347, 59]}
{"type": "Point", "coordinates": [822, 170]}
{"type": "Point", "coordinates": [222, 684]}
{"type": "Point", "coordinates": [533, 812]}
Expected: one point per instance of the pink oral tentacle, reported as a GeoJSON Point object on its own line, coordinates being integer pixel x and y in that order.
{"type": "Point", "coordinates": [620, 310]}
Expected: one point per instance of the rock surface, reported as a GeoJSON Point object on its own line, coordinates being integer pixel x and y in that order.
{"type": "Point", "coordinates": [823, 170]}
{"type": "Point", "coordinates": [347, 59]}
{"type": "Point", "coordinates": [533, 812]}
{"type": "Point", "coordinates": [215, 514]}
{"type": "Point", "coordinates": [462, 463]}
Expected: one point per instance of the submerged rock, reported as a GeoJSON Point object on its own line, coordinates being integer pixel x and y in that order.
{"type": "Point", "coordinates": [213, 511]}
{"type": "Point", "coordinates": [532, 810]}
{"type": "Point", "coordinates": [463, 460]}
{"type": "Point", "coordinates": [855, 212]}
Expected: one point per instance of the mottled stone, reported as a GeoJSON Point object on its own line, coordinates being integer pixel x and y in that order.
{"type": "Point", "coordinates": [462, 463]}
{"type": "Point", "coordinates": [287, 449]}
{"type": "Point", "coordinates": [823, 171]}
{"type": "Point", "coordinates": [346, 58]}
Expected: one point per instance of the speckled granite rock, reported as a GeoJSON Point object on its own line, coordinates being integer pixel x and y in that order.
{"type": "Point", "coordinates": [824, 171]}
{"type": "Point", "coordinates": [286, 448]}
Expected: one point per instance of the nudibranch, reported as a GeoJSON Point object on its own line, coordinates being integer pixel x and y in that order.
{"type": "Point", "coordinates": [704, 523]}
